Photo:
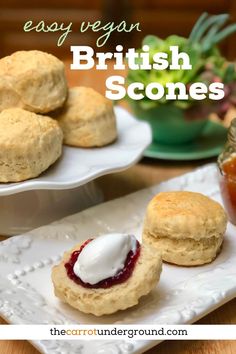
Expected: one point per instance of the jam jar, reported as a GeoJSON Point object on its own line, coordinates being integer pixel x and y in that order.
{"type": "Point", "coordinates": [227, 168]}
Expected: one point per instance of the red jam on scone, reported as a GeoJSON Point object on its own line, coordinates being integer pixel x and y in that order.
{"type": "Point", "coordinates": [104, 262]}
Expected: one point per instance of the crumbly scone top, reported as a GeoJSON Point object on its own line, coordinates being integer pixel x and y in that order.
{"type": "Point", "coordinates": [24, 61]}
{"type": "Point", "coordinates": [84, 103]}
{"type": "Point", "coordinates": [184, 214]}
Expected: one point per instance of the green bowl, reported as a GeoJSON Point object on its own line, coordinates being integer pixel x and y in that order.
{"type": "Point", "coordinates": [169, 126]}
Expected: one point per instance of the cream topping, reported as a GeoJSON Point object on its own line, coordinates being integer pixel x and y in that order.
{"type": "Point", "coordinates": [104, 257]}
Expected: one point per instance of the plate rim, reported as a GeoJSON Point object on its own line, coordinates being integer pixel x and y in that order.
{"type": "Point", "coordinates": [193, 156]}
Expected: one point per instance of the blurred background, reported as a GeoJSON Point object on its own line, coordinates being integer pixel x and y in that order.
{"type": "Point", "coordinates": [161, 17]}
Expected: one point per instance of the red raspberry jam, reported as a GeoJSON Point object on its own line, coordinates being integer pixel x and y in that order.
{"type": "Point", "coordinates": [120, 277]}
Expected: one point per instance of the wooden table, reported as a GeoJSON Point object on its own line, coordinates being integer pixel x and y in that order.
{"type": "Point", "coordinates": [144, 174]}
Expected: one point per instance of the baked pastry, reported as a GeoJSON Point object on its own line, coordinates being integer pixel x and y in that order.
{"type": "Point", "coordinates": [32, 80]}
{"type": "Point", "coordinates": [87, 119]}
{"type": "Point", "coordinates": [186, 227]}
{"type": "Point", "coordinates": [107, 274]}
{"type": "Point", "coordinates": [29, 144]}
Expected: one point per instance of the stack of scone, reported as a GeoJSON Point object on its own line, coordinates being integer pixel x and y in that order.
{"type": "Point", "coordinates": [186, 227]}
{"type": "Point", "coordinates": [34, 83]}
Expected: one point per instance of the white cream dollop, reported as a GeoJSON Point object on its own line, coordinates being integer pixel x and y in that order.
{"type": "Point", "coordinates": [104, 257]}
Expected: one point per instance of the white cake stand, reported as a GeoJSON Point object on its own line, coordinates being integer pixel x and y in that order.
{"type": "Point", "coordinates": [68, 187]}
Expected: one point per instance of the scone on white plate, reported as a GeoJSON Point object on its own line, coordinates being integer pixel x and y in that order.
{"type": "Point", "coordinates": [186, 227]}
{"type": "Point", "coordinates": [87, 119]}
{"type": "Point", "coordinates": [32, 80]}
{"type": "Point", "coordinates": [106, 274]}
{"type": "Point", "coordinates": [29, 144]}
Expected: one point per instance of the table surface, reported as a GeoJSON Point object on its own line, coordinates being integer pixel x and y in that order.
{"type": "Point", "coordinates": [144, 174]}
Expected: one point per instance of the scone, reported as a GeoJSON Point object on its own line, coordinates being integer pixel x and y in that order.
{"type": "Point", "coordinates": [107, 274]}
{"type": "Point", "coordinates": [29, 144]}
{"type": "Point", "coordinates": [87, 119]}
{"type": "Point", "coordinates": [186, 227]}
{"type": "Point", "coordinates": [32, 80]}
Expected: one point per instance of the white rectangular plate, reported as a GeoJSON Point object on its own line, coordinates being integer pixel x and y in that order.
{"type": "Point", "coordinates": [183, 295]}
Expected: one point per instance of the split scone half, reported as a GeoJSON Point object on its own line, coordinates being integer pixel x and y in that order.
{"type": "Point", "coordinates": [186, 227]}
{"type": "Point", "coordinates": [29, 144]}
{"type": "Point", "coordinates": [32, 80]}
{"type": "Point", "coordinates": [87, 119]}
{"type": "Point", "coordinates": [109, 295]}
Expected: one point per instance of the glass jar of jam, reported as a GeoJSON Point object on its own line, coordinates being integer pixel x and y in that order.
{"type": "Point", "coordinates": [227, 167]}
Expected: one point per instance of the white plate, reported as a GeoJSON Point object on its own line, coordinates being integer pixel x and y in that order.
{"type": "Point", "coordinates": [79, 166]}
{"type": "Point", "coordinates": [183, 295]}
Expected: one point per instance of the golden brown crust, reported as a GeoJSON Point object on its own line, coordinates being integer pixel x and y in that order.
{"type": "Point", "coordinates": [185, 215]}
{"type": "Point", "coordinates": [29, 144]}
{"type": "Point", "coordinates": [118, 297]}
{"type": "Point", "coordinates": [187, 227]}
{"type": "Point", "coordinates": [87, 118]}
{"type": "Point", "coordinates": [32, 80]}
